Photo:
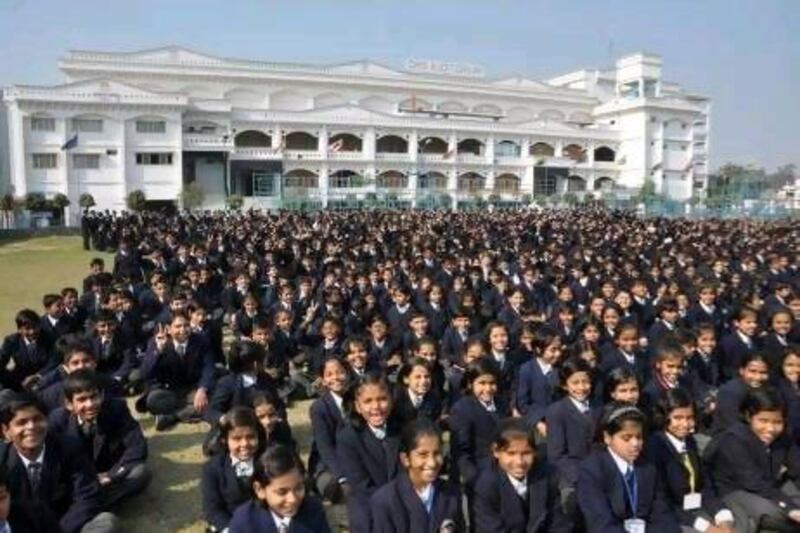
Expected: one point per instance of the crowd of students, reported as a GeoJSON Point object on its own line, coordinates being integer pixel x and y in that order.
{"type": "Point", "coordinates": [563, 370]}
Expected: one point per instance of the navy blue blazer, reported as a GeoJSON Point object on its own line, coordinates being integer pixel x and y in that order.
{"type": "Point", "coordinates": [118, 443]}
{"type": "Point", "coordinates": [773, 349]}
{"type": "Point", "coordinates": [403, 410]}
{"type": "Point", "coordinates": [738, 460]}
{"type": "Point", "coordinates": [613, 358]}
{"type": "Point", "coordinates": [230, 392]}
{"type": "Point", "coordinates": [252, 516]}
{"type": "Point", "coordinates": [452, 345]}
{"type": "Point", "coordinates": [498, 507]}
{"type": "Point", "coordinates": [675, 477]}
{"type": "Point", "coordinates": [570, 435]}
{"type": "Point", "coordinates": [326, 421]}
{"type": "Point", "coordinates": [379, 355]}
{"type": "Point", "coordinates": [52, 396]}
{"type": "Point", "coordinates": [705, 371]}
{"type": "Point", "coordinates": [68, 487]}
{"type": "Point", "coordinates": [39, 359]}
{"type": "Point", "coordinates": [168, 369]}
{"type": "Point", "coordinates": [535, 391]}
{"type": "Point", "coordinates": [791, 395]}
{"type": "Point", "coordinates": [729, 400]}
{"type": "Point", "coordinates": [732, 350]}
{"type": "Point", "coordinates": [658, 331]}
{"type": "Point", "coordinates": [697, 315]}
{"type": "Point", "coordinates": [471, 435]}
{"type": "Point", "coordinates": [222, 491]}
{"type": "Point", "coordinates": [438, 319]}
{"type": "Point", "coordinates": [118, 359]}
{"type": "Point", "coordinates": [602, 497]}
{"type": "Point", "coordinates": [396, 508]}
{"type": "Point", "coordinates": [367, 463]}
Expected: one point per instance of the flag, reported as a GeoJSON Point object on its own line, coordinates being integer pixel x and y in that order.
{"type": "Point", "coordinates": [449, 154]}
{"type": "Point", "coordinates": [337, 146]}
{"type": "Point", "coordinates": [71, 143]}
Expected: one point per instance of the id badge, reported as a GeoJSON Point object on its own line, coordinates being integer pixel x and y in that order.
{"type": "Point", "coordinates": [634, 525]}
{"type": "Point", "coordinates": [692, 501]}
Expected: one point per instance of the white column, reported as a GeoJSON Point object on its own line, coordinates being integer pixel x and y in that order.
{"type": "Point", "coordinates": [323, 184]}
{"type": "Point", "coordinates": [368, 143]}
{"type": "Point", "coordinates": [489, 156]}
{"type": "Point", "coordinates": [322, 144]}
{"type": "Point", "coordinates": [413, 146]}
{"type": "Point", "coordinates": [16, 150]}
{"type": "Point", "coordinates": [277, 137]}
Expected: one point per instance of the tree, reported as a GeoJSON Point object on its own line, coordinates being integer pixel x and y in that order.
{"type": "Point", "coordinates": [136, 200]}
{"type": "Point", "coordinates": [192, 196]}
{"type": "Point", "coordinates": [86, 201]}
{"type": "Point", "coordinates": [494, 199]}
{"type": "Point", "coordinates": [526, 198]}
{"type": "Point", "coordinates": [569, 198]}
{"type": "Point", "coordinates": [235, 201]}
{"type": "Point", "coordinates": [60, 202]}
{"type": "Point", "coordinates": [9, 206]}
{"type": "Point", "coordinates": [35, 201]}
{"type": "Point", "coordinates": [647, 193]}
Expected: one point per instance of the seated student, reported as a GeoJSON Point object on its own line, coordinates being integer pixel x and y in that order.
{"type": "Point", "coordinates": [417, 499]}
{"type": "Point", "coordinates": [78, 355]}
{"type": "Point", "coordinates": [30, 352]}
{"type": "Point", "coordinates": [317, 348]}
{"type": "Point", "coordinates": [703, 363]}
{"type": "Point", "coordinates": [115, 355]}
{"type": "Point", "coordinates": [673, 450]}
{"type": "Point", "coordinates": [179, 370]}
{"type": "Point", "coordinates": [617, 489]}
{"type": "Point", "coordinates": [417, 330]}
{"type": "Point", "coordinates": [104, 428]}
{"type": "Point", "coordinates": [398, 315]}
{"type": "Point", "coordinates": [706, 310]}
{"type": "Point", "coordinates": [518, 491]}
{"type": "Point", "coordinates": [752, 461]}
{"type": "Point", "coordinates": [242, 321]}
{"type": "Point", "coordinates": [384, 350]}
{"type": "Point", "coordinates": [355, 356]}
{"type": "Point", "coordinates": [414, 395]}
{"type": "Point", "coordinates": [426, 348]}
{"type": "Point", "coordinates": [246, 377]}
{"type": "Point", "coordinates": [753, 373]}
{"type": "Point", "coordinates": [271, 412]}
{"type": "Point", "coordinates": [42, 466]}
{"type": "Point", "coordinates": [54, 325]}
{"type": "Point", "coordinates": [327, 418]}
{"type": "Point", "coordinates": [511, 313]}
{"type": "Point", "coordinates": [279, 502]}
{"type": "Point", "coordinates": [473, 420]}
{"type": "Point", "coordinates": [367, 447]}
{"type": "Point", "coordinates": [435, 309]}
{"type": "Point", "coordinates": [456, 336]}
{"type": "Point", "coordinates": [96, 266]}
{"type": "Point", "coordinates": [775, 342]}
{"type": "Point", "coordinates": [571, 427]}
{"type": "Point", "coordinates": [625, 353]}
{"type": "Point", "coordinates": [789, 386]}
{"type": "Point", "coordinates": [282, 347]}
{"type": "Point", "coordinates": [73, 312]}
{"type": "Point", "coordinates": [200, 322]}
{"type": "Point", "coordinates": [734, 346]}
{"type": "Point", "coordinates": [538, 378]}
{"type": "Point", "coordinates": [473, 350]}
{"type": "Point", "coordinates": [564, 324]}
{"type": "Point", "coordinates": [497, 350]}
{"type": "Point", "coordinates": [227, 475]}
{"type": "Point", "coordinates": [667, 374]}
{"type": "Point", "coordinates": [18, 516]}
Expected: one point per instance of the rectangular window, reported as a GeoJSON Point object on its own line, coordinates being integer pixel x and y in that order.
{"type": "Point", "coordinates": [151, 126]}
{"type": "Point", "coordinates": [43, 124]}
{"type": "Point", "coordinates": [263, 184]}
{"type": "Point", "coordinates": [87, 125]}
{"type": "Point", "coordinates": [154, 158]}
{"type": "Point", "coordinates": [45, 160]}
{"type": "Point", "coordinates": [86, 161]}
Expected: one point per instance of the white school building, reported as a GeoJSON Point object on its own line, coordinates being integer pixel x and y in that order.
{"type": "Point", "coordinates": [284, 134]}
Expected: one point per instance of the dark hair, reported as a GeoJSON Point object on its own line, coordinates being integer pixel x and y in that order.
{"type": "Point", "coordinates": [18, 401]}
{"type": "Point", "coordinates": [666, 304]}
{"type": "Point", "coordinates": [616, 415]}
{"type": "Point", "coordinates": [571, 366]}
{"type": "Point", "coordinates": [75, 345]}
{"type": "Point", "coordinates": [27, 318]}
{"type": "Point", "coordinates": [510, 429]}
{"type": "Point", "coordinates": [69, 290]}
{"type": "Point", "coordinates": [414, 431]}
{"type": "Point", "coordinates": [50, 299]}
{"type": "Point", "coordinates": [104, 315]}
{"type": "Point", "coordinates": [97, 261]}
{"type": "Point", "coordinates": [408, 366]}
{"type": "Point", "coordinates": [275, 462]}
{"type": "Point", "coordinates": [245, 354]}
{"type": "Point", "coordinates": [743, 312]}
{"type": "Point", "coordinates": [238, 417]}
{"type": "Point", "coordinates": [480, 367]}
{"type": "Point", "coordinates": [330, 359]}
{"type": "Point", "coordinates": [666, 348]}
{"type": "Point", "coordinates": [419, 343]}
{"type": "Point", "coordinates": [83, 380]}
{"type": "Point", "coordinates": [672, 399]}
{"type": "Point", "coordinates": [544, 337]}
{"type": "Point", "coordinates": [753, 356]}
{"type": "Point", "coordinates": [617, 376]}
{"type": "Point", "coordinates": [766, 398]}
{"type": "Point", "coordinates": [625, 326]}
{"type": "Point", "coordinates": [354, 341]}
{"type": "Point", "coordinates": [365, 380]}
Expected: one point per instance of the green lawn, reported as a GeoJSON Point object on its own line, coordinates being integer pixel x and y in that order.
{"type": "Point", "coordinates": [31, 268]}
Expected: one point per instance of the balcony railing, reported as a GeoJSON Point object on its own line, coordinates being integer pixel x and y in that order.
{"type": "Point", "coordinates": [206, 142]}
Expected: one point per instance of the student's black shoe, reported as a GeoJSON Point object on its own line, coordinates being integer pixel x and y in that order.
{"type": "Point", "coordinates": [165, 422]}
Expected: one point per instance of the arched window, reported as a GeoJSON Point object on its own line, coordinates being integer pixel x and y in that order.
{"type": "Point", "coordinates": [391, 179]}
{"type": "Point", "coordinates": [541, 149]}
{"type": "Point", "coordinates": [433, 145]}
{"type": "Point", "coordinates": [604, 153]}
{"type": "Point", "coordinates": [471, 181]}
{"type": "Point", "coordinates": [300, 140]}
{"type": "Point", "coordinates": [507, 183]}
{"type": "Point", "coordinates": [300, 179]}
{"type": "Point", "coordinates": [391, 144]}
{"type": "Point", "coordinates": [252, 138]}
{"type": "Point", "coordinates": [432, 180]}
{"type": "Point", "coordinates": [345, 142]}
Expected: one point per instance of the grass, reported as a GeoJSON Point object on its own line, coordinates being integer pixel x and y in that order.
{"type": "Point", "coordinates": [172, 502]}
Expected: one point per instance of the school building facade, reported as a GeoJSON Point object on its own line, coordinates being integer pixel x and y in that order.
{"type": "Point", "coordinates": [282, 134]}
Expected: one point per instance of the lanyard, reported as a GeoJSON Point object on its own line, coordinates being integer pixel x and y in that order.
{"type": "Point", "coordinates": [687, 463]}
{"type": "Point", "coordinates": [631, 492]}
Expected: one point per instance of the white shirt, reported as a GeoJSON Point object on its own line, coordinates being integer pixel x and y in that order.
{"type": "Point", "coordinates": [380, 433]}
{"type": "Point", "coordinates": [500, 358]}
{"type": "Point", "coordinates": [180, 348]}
{"type": "Point", "coordinates": [416, 399]}
{"type": "Point", "coordinates": [621, 463]}
{"type": "Point", "coordinates": [745, 339]}
{"type": "Point", "coordinates": [242, 468]}
{"type": "Point", "coordinates": [709, 309]}
{"type": "Point", "coordinates": [248, 380]}
{"type": "Point", "coordinates": [520, 487]}
{"type": "Point", "coordinates": [629, 357]}
{"type": "Point", "coordinates": [338, 400]}
{"type": "Point", "coordinates": [39, 459]}
{"type": "Point", "coordinates": [678, 444]}
{"type": "Point", "coordinates": [284, 522]}
{"type": "Point", "coordinates": [583, 406]}
{"type": "Point", "coordinates": [546, 367]}
{"type": "Point", "coordinates": [426, 495]}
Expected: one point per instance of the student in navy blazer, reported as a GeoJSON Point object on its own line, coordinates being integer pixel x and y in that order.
{"type": "Point", "coordinates": [225, 483]}
{"type": "Point", "coordinates": [327, 418]}
{"type": "Point", "coordinates": [518, 492]}
{"type": "Point", "coordinates": [301, 513]}
{"type": "Point", "coordinates": [741, 341]}
{"type": "Point", "coordinates": [473, 420]}
{"type": "Point", "coordinates": [414, 395]}
{"type": "Point", "coordinates": [625, 353]}
{"type": "Point", "coordinates": [367, 447]}
{"type": "Point", "coordinates": [602, 490]}
{"type": "Point", "coordinates": [417, 501]}
{"type": "Point", "coordinates": [571, 422]}
{"type": "Point", "coordinates": [753, 373]}
{"type": "Point", "coordinates": [752, 460]}
{"type": "Point", "coordinates": [30, 351]}
{"type": "Point", "coordinates": [669, 449]}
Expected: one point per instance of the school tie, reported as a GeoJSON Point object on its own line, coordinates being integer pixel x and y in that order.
{"type": "Point", "coordinates": [243, 469]}
{"type": "Point", "coordinates": [380, 433]}
{"type": "Point", "coordinates": [35, 477]}
{"type": "Point", "coordinates": [31, 349]}
{"type": "Point", "coordinates": [491, 407]}
{"type": "Point", "coordinates": [630, 482]}
{"type": "Point", "coordinates": [687, 463]}
{"type": "Point", "coordinates": [181, 349]}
